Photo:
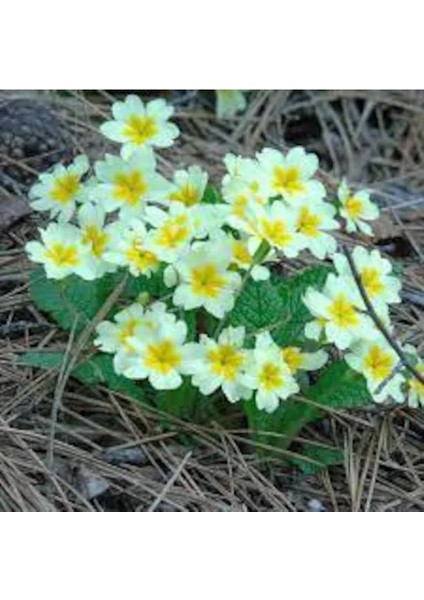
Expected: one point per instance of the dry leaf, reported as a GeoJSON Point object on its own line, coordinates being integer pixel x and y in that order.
{"type": "Point", "coordinates": [12, 208]}
{"type": "Point", "coordinates": [385, 227]}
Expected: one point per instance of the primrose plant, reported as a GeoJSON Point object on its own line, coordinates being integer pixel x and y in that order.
{"type": "Point", "coordinates": [215, 311]}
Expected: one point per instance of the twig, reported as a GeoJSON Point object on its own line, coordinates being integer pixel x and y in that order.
{"type": "Point", "coordinates": [169, 483]}
{"type": "Point", "coordinates": [58, 398]}
{"type": "Point", "coordinates": [378, 322]}
{"type": "Point", "coordinates": [70, 360]}
{"type": "Point", "coordinates": [389, 377]}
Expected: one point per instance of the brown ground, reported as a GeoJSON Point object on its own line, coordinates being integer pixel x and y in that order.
{"type": "Point", "coordinates": [67, 447]}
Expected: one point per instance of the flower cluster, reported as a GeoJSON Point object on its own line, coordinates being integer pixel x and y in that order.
{"type": "Point", "coordinates": [152, 344]}
{"type": "Point", "coordinates": [341, 318]}
{"type": "Point", "coordinates": [122, 213]}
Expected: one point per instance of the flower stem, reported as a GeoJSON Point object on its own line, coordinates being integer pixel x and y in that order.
{"type": "Point", "coordinates": [259, 256]}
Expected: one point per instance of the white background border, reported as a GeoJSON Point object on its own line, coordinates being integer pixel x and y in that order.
{"type": "Point", "coordinates": [210, 45]}
{"type": "Point", "coordinates": [210, 556]}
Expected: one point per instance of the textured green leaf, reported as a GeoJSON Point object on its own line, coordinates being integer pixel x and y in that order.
{"type": "Point", "coordinates": [325, 456]}
{"type": "Point", "coordinates": [71, 302]}
{"type": "Point", "coordinates": [338, 387]}
{"type": "Point", "coordinates": [259, 307]}
{"type": "Point", "coordinates": [276, 305]}
{"type": "Point", "coordinates": [295, 314]}
{"type": "Point", "coordinates": [98, 370]}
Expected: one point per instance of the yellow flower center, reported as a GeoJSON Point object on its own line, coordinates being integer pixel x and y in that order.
{"type": "Point", "coordinates": [141, 258]}
{"type": "Point", "coordinates": [228, 95]}
{"type": "Point", "coordinates": [173, 233]}
{"type": "Point", "coordinates": [140, 128]}
{"type": "Point", "coordinates": [188, 194]}
{"type": "Point", "coordinates": [416, 385]}
{"type": "Point", "coordinates": [129, 187]}
{"type": "Point", "coordinates": [65, 188]}
{"type": "Point", "coordinates": [226, 361]}
{"type": "Point", "coordinates": [207, 281]}
{"type": "Point", "coordinates": [162, 357]}
{"type": "Point", "coordinates": [353, 207]}
{"type": "Point", "coordinates": [371, 280]}
{"type": "Point", "coordinates": [239, 206]}
{"type": "Point", "coordinates": [240, 252]}
{"type": "Point", "coordinates": [97, 238]}
{"type": "Point", "coordinates": [378, 363]}
{"type": "Point", "coordinates": [270, 377]}
{"type": "Point", "coordinates": [343, 312]}
{"type": "Point", "coordinates": [287, 180]}
{"type": "Point", "coordinates": [275, 233]}
{"type": "Point", "coordinates": [308, 222]}
{"type": "Point", "coordinates": [63, 256]}
{"type": "Point", "coordinates": [293, 357]}
{"type": "Point", "coordinates": [127, 331]}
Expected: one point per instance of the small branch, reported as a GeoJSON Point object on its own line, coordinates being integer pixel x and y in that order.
{"type": "Point", "coordinates": [169, 483]}
{"type": "Point", "coordinates": [70, 360]}
{"type": "Point", "coordinates": [389, 377]}
{"type": "Point", "coordinates": [378, 322]}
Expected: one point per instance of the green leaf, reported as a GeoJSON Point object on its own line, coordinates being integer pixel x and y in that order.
{"type": "Point", "coordinates": [98, 370]}
{"type": "Point", "coordinates": [295, 414]}
{"type": "Point", "coordinates": [258, 307]}
{"type": "Point", "coordinates": [295, 315]}
{"type": "Point", "coordinates": [211, 195]}
{"type": "Point", "coordinates": [338, 387]}
{"type": "Point", "coordinates": [266, 427]}
{"type": "Point", "coordinates": [179, 402]}
{"type": "Point", "coordinates": [325, 456]}
{"type": "Point", "coordinates": [153, 285]}
{"type": "Point", "coordinates": [276, 305]}
{"type": "Point", "coordinates": [186, 403]}
{"type": "Point", "coordinates": [43, 360]}
{"type": "Point", "coordinates": [71, 302]}
{"type": "Point", "coordinates": [279, 428]}
{"type": "Point", "coordinates": [275, 431]}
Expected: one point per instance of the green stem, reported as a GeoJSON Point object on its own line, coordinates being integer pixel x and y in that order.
{"type": "Point", "coordinates": [260, 255]}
